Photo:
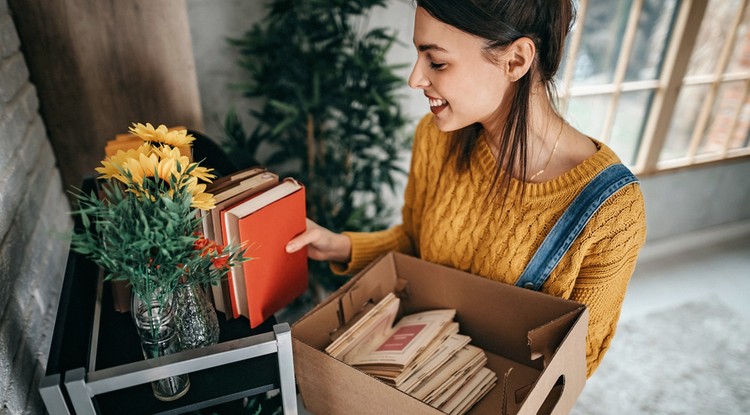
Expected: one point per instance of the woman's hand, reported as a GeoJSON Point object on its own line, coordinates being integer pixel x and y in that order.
{"type": "Point", "coordinates": [322, 244]}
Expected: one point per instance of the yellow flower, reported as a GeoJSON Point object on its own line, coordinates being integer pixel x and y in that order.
{"type": "Point", "coordinates": [112, 167]}
{"type": "Point", "coordinates": [161, 134]}
{"type": "Point", "coordinates": [133, 166]}
{"type": "Point", "coordinates": [202, 173]}
{"type": "Point", "coordinates": [201, 199]}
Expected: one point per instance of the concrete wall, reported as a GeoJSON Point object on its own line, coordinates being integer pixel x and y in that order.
{"type": "Point", "coordinates": [676, 203]}
{"type": "Point", "coordinates": [33, 213]}
{"type": "Point", "coordinates": [697, 199]}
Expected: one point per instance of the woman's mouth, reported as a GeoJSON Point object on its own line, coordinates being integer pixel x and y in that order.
{"type": "Point", "coordinates": [437, 105]}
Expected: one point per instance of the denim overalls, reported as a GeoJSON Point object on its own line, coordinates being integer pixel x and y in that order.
{"type": "Point", "coordinates": [572, 222]}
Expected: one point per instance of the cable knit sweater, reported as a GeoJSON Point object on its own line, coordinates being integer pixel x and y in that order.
{"type": "Point", "coordinates": [446, 220]}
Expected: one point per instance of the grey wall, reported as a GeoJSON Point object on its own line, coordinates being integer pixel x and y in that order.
{"type": "Point", "coordinates": [697, 198]}
{"type": "Point", "coordinates": [33, 213]}
{"type": "Point", "coordinates": [213, 22]}
{"type": "Point", "coordinates": [676, 203]}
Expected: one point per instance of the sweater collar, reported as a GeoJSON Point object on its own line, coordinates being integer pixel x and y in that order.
{"type": "Point", "coordinates": [575, 178]}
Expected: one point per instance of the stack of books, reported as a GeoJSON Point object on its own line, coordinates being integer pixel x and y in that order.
{"type": "Point", "coordinates": [422, 354]}
{"type": "Point", "coordinates": [259, 212]}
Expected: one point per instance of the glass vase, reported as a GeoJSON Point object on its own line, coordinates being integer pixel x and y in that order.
{"type": "Point", "coordinates": [155, 321]}
{"type": "Point", "coordinates": [197, 323]}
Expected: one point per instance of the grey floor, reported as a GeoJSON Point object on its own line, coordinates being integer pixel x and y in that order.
{"type": "Point", "coordinates": [713, 264]}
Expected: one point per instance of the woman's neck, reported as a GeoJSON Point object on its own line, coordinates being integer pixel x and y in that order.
{"type": "Point", "coordinates": [545, 132]}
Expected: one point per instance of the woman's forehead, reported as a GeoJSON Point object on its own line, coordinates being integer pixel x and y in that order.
{"type": "Point", "coordinates": [431, 34]}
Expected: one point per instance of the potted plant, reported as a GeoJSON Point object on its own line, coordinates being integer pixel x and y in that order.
{"type": "Point", "coordinates": [329, 114]}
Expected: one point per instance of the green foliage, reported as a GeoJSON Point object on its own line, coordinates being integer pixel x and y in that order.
{"type": "Point", "coordinates": [148, 241]}
{"type": "Point", "coordinates": [330, 116]}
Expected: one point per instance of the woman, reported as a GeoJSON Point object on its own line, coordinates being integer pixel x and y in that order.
{"type": "Point", "coordinates": [494, 165]}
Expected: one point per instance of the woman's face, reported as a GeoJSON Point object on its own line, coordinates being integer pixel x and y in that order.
{"type": "Point", "coordinates": [461, 85]}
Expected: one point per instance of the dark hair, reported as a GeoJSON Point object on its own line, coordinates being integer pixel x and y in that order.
{"type": "Point", "coordinates": [500, 22]}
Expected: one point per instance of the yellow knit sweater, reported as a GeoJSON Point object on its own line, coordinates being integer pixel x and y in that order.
{"type": "Point", "coordinates": [446, 220]}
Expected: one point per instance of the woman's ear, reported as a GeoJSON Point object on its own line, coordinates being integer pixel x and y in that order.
{"type": "Point", "coordinates": [518, 58]}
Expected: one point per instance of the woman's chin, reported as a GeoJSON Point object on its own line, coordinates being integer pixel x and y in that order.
{"type": "Point", "coordinates": [446, 123]}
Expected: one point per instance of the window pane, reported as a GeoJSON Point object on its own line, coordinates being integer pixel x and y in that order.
{"type": "Point", "coordinates": [654, 28]}
{"type": "Point", "coordinates": [741, 135]}
{"type": "Point", "coordinates": [587, 113]}
{"type": "Point", "coordinates": [566, 50]}
{"type": "Point", "coordinates": [726, 108]}
{"type": "Point", "coordinates": [714, 30]}
{"type": "Point", "coordinates": [601, 40]}
{"type": "Point", "coordinates": [740, 60]}
{"type": "Point", "coordinates": [683, 122]}
{"type": "Point", "coordinates": [629, 123]}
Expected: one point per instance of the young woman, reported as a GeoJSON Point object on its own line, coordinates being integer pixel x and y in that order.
{"type": "Point", "coordinates": [494, 165]}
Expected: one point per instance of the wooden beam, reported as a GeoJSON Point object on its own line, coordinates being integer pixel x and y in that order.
{"type": "Point", "coordinates": [684, 35]}
{"type": "Point", "coordinates": [99, 65]}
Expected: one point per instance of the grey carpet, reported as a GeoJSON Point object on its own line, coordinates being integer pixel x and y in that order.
{"type": "Point", "coordinates": [693, 359]}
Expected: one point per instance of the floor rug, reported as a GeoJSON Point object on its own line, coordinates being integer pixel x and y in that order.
{"type": "Point", "coordinates": [692, 359]}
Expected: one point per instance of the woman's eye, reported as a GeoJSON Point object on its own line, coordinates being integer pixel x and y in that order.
{"type": "Point", "coordinates": [437, 66]}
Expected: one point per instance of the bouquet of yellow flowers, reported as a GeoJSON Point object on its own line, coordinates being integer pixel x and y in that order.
{"type": "Point", "coordinates": [145, 229]}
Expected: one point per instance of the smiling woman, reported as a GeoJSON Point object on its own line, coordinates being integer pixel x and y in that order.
{"type": "Point", "coordinates": [494, 167]}
{"type": "Point", "coordinates": [447, 72]}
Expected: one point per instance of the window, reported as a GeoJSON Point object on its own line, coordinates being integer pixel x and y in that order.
{"type": "Point", "coordinates": [663, 82]}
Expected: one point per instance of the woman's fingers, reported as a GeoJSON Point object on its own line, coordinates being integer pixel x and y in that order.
{"type": "Point", "coordinates": [309, 236]}
{"type": "Point", "coordinates": [322, 244]}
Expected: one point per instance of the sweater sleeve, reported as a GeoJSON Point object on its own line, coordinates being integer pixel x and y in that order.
{"type": "Point", "coordinates": [368, 246]}
{"type": "Point", "coordinates": [607, 268]}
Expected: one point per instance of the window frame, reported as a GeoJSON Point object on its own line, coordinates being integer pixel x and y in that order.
{"type": "Point", "coordinates": [666, 88]}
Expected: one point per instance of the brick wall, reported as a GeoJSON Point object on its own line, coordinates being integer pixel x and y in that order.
{"type": "Point", "coordinates": [33, 215]}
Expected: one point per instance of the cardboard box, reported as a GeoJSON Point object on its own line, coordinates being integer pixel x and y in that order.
{"type": "Point", "coordinates": [534, 342]}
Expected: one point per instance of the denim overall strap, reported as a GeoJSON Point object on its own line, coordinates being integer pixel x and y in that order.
{"type": "Point", "coordinates": [572, 222]}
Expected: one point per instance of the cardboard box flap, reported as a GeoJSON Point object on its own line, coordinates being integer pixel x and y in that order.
{"type": "Point", "coordinates": [330, 318]}
{"type": "Point", "coordinates": [544, 340]}
{"type": "Point", "coordinates": [320, 327]}
{"type": "Point", "coordinates": [363, 293]}
{"type": "Point", "coordinates": [563, 379]}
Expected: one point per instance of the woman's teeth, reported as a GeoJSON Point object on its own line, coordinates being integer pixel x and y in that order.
{"type": "Point", "coordinates": [434, 102]}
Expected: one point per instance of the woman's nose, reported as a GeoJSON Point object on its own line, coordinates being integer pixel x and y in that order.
{"type": "Point", "coordinates": [417, 79]}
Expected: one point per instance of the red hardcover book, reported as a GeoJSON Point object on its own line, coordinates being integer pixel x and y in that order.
{"type": "Point", "coordinates": [265, 224]}
{"type": "Point", "coordinates": [246, 187]}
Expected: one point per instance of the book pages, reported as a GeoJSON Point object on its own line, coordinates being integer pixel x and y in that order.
{"type": "Point", "coordinates": [373, 324]}
{"type": "Point", "coordinates": [406, 339]}
{"type": "Point", "coordinates": [460, 377]}
{"type": "Point", "coordinates": [467, 357]}
{"type": "Point", "coordinates": [427, 357]}
{"type": "Point", "coordinates": [422, 354]}
{"type": "Point", "coordinates": [446, 351]}
{"type": "Point", "coordinates": [471, 392]}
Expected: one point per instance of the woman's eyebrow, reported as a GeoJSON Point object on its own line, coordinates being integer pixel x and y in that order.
{"type": "Point", "coordinates": [430, 46]}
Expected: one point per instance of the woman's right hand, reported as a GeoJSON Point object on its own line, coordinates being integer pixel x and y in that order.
{"type": "Point", "coordinates": [322, 244]}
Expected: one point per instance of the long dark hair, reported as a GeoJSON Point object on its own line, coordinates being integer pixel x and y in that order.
{"type": "Point", "coordinates": [500, 22]}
